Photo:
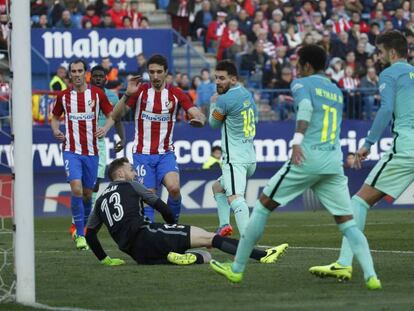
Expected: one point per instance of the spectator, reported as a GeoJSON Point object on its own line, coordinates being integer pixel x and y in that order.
{"type": "Point", "coordinates": [317, 22]}
{"type": "Point", "coordinates": [369, 86]}
{"type": "Point", "coordinates": [326, 42]}
{"type": "Point", "coordinates": [342, 46]}
{"type": "Point", "coordinates": [360, 57]}
{"type": "Point", "coordinates": [354, 35]}
{"type": "Point", "coordinates": [230, 43]}
{"type": "Point", "coordinates": [388, 25]}
{"type": "Point", "coordinates": [277, 36]}
{"type": "Point", "coordinates": [195, 82]}
{"type": "Point", "coordinates": [56, 13]}
{"type": "Point", "coordinates": [142, 67]}
{"type": "Point", "coordinates": [58, 82]}
{"type": "Point", "coordinates": [340, 24]}
{"type": "Point", "coordinates": [369, 48]}
{"type": "Point", "coordinates": [379, 18]}
{"type": "Point", "coordinates": [245, 23]}
{"type": "Point", "coordinates": [205, 90]}
{"type": "Point", "coordinates": [202, 19]}
{"type": "Point", "coordinates": [254, 63]}
{"type": "Point", "coordinates": [107, 22]}
{"type": "Point", "coordinates": [87, 24]}
{"type": "Point", "coordinates": [335, 70]}
{"type": "Point", "coordinates": [299, 24]}
{"type": "Point", "coordinates": [145, 24]}
{"type": "Point", "coordinates": [66, 21]}
{"type": "Point", "coordinates": [269, 47]}
{"type": "Point", "coordinates": [356, 18]}
{"type": "Point", "coordinates": [324, 10]}
{"type": "Point", "coordinates": [374, 31]}
{"type": "Point", "coordinates": [289, 13]}
{"type": "Point", "coordinates": [111, 72]}
{"type": "Point", "coordinates": [277, 17]}
{"type": "Point", "coordinates": [4, 34]}
{"type": "Point", "coordinates": [133, 13]}
{"type": "Point", "coordinates": [307, 11]}
{"type": "Point", "coordinates": [126, 22]}
{"type": "Point", "coordinates": [117, 13]}
{"type": "Point", "coordinates": [180, 12]}
{"type": "Point", "coordinates": [284, 101]}
{"type": "Point", "coordinates": [264, 8]}
{"type": "Point", "coordinates": [43, 22]}
{"type": "Point", "coordinates": [260, 19]}
{"type": "Point", "coordinates": [215, 31]}
{"type": "Point", "coordinates": [91, 16]}
{"type": "Point", "coordinates": [406, 9]}
{"type": "Point", "coordinates": [293, 37]}
{"type": "Point", "coordinates": [38, 7]}
{"type": "Point", "coordinates": [353, 6]}
{"type": "Point", "coordinates": [214, 160]}
{"type": "Point", "coordinates": [271, 74]}
{"type": "Point", "coordinates": [4, 100]}
{"type": "Point", "coordinates": [350, 60]}
{"type": "Point", "coordinates": [349, 83]}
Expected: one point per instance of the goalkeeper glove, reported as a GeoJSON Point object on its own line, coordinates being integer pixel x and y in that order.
{"type": "Point", "coordinates": [108, 261]}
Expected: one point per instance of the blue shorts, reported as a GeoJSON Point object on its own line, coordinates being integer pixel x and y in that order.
{"type": "Point", "coordinates": [81, 167]}
{"type": "Point", "coordinates": [152, 168]}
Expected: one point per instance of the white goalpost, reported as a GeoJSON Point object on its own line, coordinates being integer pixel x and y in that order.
{"type": "Point", "coordinates": [23, 165]}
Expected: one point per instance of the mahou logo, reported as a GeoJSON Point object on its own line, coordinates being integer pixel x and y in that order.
{"type": "Point", "coordinates": [61, 44]}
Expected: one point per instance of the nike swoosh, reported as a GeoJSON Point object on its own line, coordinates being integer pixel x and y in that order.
{"type": "Point", "coordinates": [273, 252]}
{"type": "Point", "coordinates": [336, 269]}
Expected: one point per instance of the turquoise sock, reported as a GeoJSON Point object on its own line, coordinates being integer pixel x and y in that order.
{"type": "Point", "coordinates": [241, 213]}
{"type": "Point", "coordinates": [360, 210]}
{"type": "Point", "coordinates": [252, 234]}
{"type": "Point", "coordinates": [223, 208]}
{"type": "Point", "coordinates": [359, 246]}
{"type": "Point", "coordinates": [94, 195]}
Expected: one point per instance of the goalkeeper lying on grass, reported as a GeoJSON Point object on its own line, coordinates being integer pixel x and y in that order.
{"type": "Point", "coordinates": [120, 208]}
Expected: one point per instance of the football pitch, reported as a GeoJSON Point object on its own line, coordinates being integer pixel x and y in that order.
{"type": "Point", "coordinates": [66, 277]}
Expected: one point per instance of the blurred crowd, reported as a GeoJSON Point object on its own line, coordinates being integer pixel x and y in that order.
{"type": "Point", "coordinates": [262, 37]}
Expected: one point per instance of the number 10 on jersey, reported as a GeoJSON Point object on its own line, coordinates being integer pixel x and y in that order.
{"type": "Point", "coordinates": [249, 123]}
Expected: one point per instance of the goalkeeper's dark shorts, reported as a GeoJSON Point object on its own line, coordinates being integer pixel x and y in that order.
{"type": "Point", "coordinates": [154, 242]}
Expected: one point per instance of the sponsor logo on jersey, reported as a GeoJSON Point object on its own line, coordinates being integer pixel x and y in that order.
{"type": "Point", "coordinates": [296, 87]}
{"type": "Point", "coordinates": [81, 116]}
{"type": "Point", "coordinates": [155, 117]}
{"type": "Point", "coordinates": [382, 87]}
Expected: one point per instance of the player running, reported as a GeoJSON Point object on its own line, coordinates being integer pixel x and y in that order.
{"type": "Point", "coordinates": [395, 171]}
{"type": "Point", "coordinates": [316, 163]}
{"type": "Point", "coordinates": [120, 209]}
{"type": "Point", "coordinates": [236, 113]}
{"type": "Point", "coordinates": [81, 105]}
{"type": "Point", "coordinates": [155, 106]}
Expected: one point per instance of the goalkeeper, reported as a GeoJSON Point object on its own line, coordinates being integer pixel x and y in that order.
{"type": "Point", "coordinates": [120, 208]}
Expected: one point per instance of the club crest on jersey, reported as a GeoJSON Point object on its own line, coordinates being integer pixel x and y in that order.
{"type": "Point", "coordinates": [91, 103]}
{"type": "Point", "coordinates": [169, 104]}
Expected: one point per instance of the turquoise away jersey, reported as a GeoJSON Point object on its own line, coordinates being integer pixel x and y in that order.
{"type": "Point", "coordinates": [321, 145]}
{"type": "Point", "coordinates": [239, 126]}
{"type": "Point", "coordinates": [113, 99]}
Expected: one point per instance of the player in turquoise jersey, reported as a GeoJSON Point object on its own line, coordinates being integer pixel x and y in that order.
{"type": "Point", "coordinates": [395, 171]}
{"type": "Point", "coordinates": [236, 113]}
{"type": "Point", "coordinates": [316, 163]}
{"type": "Point", "coordinates": [98, 78]}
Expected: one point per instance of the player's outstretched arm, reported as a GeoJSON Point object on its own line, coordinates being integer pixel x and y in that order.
{"type": "Point", "coordinates": [119, 128]}
{"type": "Point", "coordinates": [198, 119]}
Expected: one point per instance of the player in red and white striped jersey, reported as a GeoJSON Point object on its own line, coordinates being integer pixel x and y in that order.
{"type": "Point", "coordinates": [81, 105]}
{"type": "Point", "coordinates": [155, 106]}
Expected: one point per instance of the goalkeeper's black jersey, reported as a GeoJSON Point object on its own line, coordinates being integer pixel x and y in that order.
{"type": "Point", "coordinates": [120, 208]}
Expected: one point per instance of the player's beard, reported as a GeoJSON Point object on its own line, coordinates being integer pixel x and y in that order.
{"type": "Point", "coordinates": [223, 89]}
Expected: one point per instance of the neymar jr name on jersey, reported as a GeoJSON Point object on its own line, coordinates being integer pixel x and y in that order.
{"type": "Point", "coordinates": [329, 95]}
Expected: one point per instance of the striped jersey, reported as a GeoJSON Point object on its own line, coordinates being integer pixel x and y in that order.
{"type": "Point", "coordinates": [155, 116]}
{"type": "Point", "coordinates": [81, 111]}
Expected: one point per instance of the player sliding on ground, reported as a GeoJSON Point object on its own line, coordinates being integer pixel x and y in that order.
{"type": "Point", "coordinates": [316, 163]}
{"type": "Point", "coordinates": [120, 208]}
{"type": "Point", "coordinates": [395, 171]}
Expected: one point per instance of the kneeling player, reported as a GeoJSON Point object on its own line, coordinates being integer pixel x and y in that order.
{"type": "Point", "coordinates": [120, 208]}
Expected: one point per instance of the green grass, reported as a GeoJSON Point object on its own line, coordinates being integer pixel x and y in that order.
{"type": "Point", "coordinates": [66, 277]}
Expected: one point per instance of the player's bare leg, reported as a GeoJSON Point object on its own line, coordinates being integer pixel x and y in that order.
{"type": "Point", "coordinates": [171, 181]}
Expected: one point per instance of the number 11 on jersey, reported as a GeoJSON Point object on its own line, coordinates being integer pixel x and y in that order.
{"type": "Point", "coordinates": [325, 123]}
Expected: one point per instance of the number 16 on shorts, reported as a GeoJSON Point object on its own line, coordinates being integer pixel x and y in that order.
{"type": "Point", "coordinates": [141, 173]}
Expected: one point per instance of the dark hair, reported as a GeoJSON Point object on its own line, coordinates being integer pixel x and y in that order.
{"type": "Point", "coordinates": [78, 61]}
{"type": "Point", "coordinates": [115, 165]}
{"type": "Point", "coordinates": [159, 60]}
{"type": "Point", "coordinates": [393, 39]}
{"type": "Point", "coordinates": [98, 68]}
{"type": "Point", "coordinates": [314, 55]}
{"type": "Point", "coordinates": [215, 148]}
{"type": "Point", "coordinates": [228, 66]}
{"type": "Point", "coordinates": [205, 69]}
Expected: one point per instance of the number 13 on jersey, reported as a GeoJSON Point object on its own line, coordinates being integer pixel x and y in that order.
{"type": "Point", "coordinates": [249, 123]}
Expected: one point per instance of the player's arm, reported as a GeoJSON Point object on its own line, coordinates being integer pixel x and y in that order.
{"type": "Point", "coordinates": [107, 108]}
{"type": "Point", "coordinates": [94, 224]}
{"type": "Point", "coordinates": [382, 118]}
{"type": "Point", "coordinates": [217, 113]}
{"type": "Point", "coordinates": [197, 118]}
{"type": "Point", "coordinates": [154, 201]}
{"type": "Point", "coordinates": [119, 128]}
{"type": "Point", "coordinates": [304, 115]}
{"type": "Point", "coordinates": [129, 99]}
{"type": "Point", "coordinates": [54, 122]}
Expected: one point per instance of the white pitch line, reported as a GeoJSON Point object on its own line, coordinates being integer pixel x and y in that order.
{"type": "Point", "coordinates": [46, 307]}
{"type": "Point", "coordinates": [337, 249]}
